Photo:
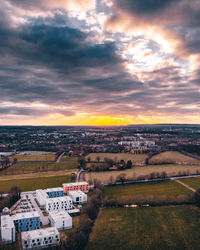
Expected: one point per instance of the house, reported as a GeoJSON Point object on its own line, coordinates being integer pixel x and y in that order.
{"type": "Point", "coordinates": [60, 219]}
{"type": "Point", "coordinates": [74, 186]}
{"type": "Point", "coordinates": [41, 238]}
{"type": "Point", "coordinates": [8, 233]}
{"type": "Point", "coordinates": [26, 221]}
{"type": "Point", "coordinates": [78, 197]}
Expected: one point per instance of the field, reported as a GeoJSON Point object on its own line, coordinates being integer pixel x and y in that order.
{"type": "Point", "coordinates": [40, 157]}
{"type": "Point", "coordinates": [192, 182]}
{"type": "Point", "coordinates": [170, 169]}
{"type": "Point", "coordinates": [139, 158]}
{"type": "Point", "coordinates": [168, 188]}
{"type": "Point", "coordinates": [30, 184]}
{"type": "Point", "coordinates": [33, 167]}
{"type": "Point", "coordinates": [173, 157]}
{"type": "Point", "coordinates": [172, 227]}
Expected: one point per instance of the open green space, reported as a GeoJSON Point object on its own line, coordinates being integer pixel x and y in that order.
{"type": "Point", "coordinates": [171, 157]}
{"type": "Point", "coordinates": [34, 167]}
{"type": "Point", "coordinates": [170, 227]}
{"type": "Point", "coordinates": [168, 188]}
{"type": "Point", "coordinates": [135, 158]}
{"type": "Point", "coordinates": [170, 169]}
{"type": "Point", "coordinates": [30, 184]}
{"type": "Point", "coordinates": [40, 157]}
{"type": "Point", "coordinates": [192, 182]}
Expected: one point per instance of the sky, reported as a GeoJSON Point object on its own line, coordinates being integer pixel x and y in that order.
{"type": "Point", "coordinates": [103, 62]}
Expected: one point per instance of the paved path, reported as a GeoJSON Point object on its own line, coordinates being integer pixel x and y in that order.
{"type": "Point", "coordinates": [185, 185]}
{"type": "Point", "coordinates": [60, 156]}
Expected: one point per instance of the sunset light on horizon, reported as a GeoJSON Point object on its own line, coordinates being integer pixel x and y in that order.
{"type": "Point", "coordinates": [99, 62]}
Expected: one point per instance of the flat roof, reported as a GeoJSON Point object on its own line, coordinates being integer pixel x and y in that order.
{"type": "Point", "coordinates": [59, 199]}
{"type": "Point", "coordinates": [57, 215]}
{"type": "Point", "coordinates": [75, 183]}
{"type": "Point", "coordinates": [6, 221]}
{"type": "Point", "coordinates": [53, 189]}
{"type": "Point", "coordinates": [39, 233]}
{"type": "Point", "coordinates": [26, 215]}
{"type": "Point", "coordinates": [76, 192]}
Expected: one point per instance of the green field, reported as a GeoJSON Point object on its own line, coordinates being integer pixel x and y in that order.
{"type": "Point", "coordinates": [135, 158]}
{"type": "Point", "coordinates": [41, 157]}
{"type": "Point", "coordinates": [170, 169]}
{"type": "Point", "coordinates": [156, 228]}
{"type": "Point", "coordinates": [30, 184]}
{"type": "Point", "coordinates": [169, 188]}
{"type": "Point", "coordinates": [173, 157]}
{"type": "Point", "coordinates": [192, 182]}
{"type": "Point", "coordinates": [34, 167]}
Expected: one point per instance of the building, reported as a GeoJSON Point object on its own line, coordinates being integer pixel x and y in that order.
{"type": "Point", "coordinates": [58, 203]}
{"type": "Point", "coordinates": [82, 186]}
{"type": "Point", "coordinates": [42, 238]}
{"type": "Point", "coordinates": [26, 221]}
{"type": "Point", "coordinates": [54, 192]}
{"type": "Point", "coordinates": [8, 233]}
{"type": "Point", "coordinates": [78, 197]}
{"type": "Point", "coordinates": [61, 220]}
{"type": "Point", "coordinates": [41, 197]}
{"type": "Point", "coordinates": [43, 194]}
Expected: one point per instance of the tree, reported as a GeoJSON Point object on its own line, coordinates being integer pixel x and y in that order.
{"type": "Point", "coordinates": [73, 177]}
{"type": "Point", "coordinates": [82, 162]}
{"type": "Point", "coordinates": [129, 164]}
{"type": "Point", "coordinates": [98, 158]}
{"type": "Point", "coordinates": [197, 197]}
{"type": "Point", "coordinates": [89, 159]}
{"type": "Point", "coordinates": [121, 178]}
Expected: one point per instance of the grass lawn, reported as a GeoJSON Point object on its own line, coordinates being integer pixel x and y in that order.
{"type": "Point", "coordinates": [192, 182]}
{"type": "Point", "coordinates": [170, 169]}
{"type": "Point", "coordinates": [171, 227]}
{"type": "Point", "coordinates": [42, 157]}
{"type": "Point", "coordinates": [33, 167]}
{"type": "Point", "coordinates": [169, 188]}
{"type": "Point", "coordinates": [173, 157]}
{"type": "Point", "coordinates": [34, 183]}
{"type": "Point", "coordinates": [139, 158]}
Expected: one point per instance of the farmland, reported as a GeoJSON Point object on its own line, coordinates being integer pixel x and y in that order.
{"type": "Point", "coordinates": [135, 158]}
{"type": "Point", "coordinates": [170, 169]}
{"type": "Point", "coordinates": [172, 227]}
{"type": "Point", "coordinates": [30, 184]}
{"type": "Point", "coordinates": [192, 182]}
{"type": "Point", "coordinates": [39, 157]}
{"type": "Point", "coordinates": [168, 188]}
{"type": "Point", "coordinates": [173, 157]}
{"type": "Point", "coordinates": [34, 167]}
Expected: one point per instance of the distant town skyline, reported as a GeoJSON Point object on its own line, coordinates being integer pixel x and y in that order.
{"type": "Point", "coordinates": [103, 62]}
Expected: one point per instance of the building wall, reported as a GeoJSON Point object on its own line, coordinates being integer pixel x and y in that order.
{"type": "Point", "coordinates": [57, 205]}
{"type": "Point", "coordinates": [27, 224]}
{"type": "Point", "coordinates": [53, 194]}
{"type": "Point", "coordinates": [43, 241]}
{"type": "Point", "coordinates": [72, 187]}
{"type": "Point", "coordinates": [8, 232]}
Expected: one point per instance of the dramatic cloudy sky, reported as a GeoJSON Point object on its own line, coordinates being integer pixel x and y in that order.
{"type": "Point", "coordinates": [103, 62]}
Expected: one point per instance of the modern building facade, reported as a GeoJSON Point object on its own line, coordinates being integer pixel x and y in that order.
{"type": "Point", "coordinates": [61, 220]}
{"type": "Point", "coordinates": [54, 192]}
{"type": "Point", "coordinates": [26, 221]}
{"type": "Point", "coordinates": [42, 238]}
{"type": "Point", "coordinates": [75, 186]}
{"type": "Point", "coordinates": [58, 204]}
{"type": "Point", "coordinates": [8, 233]}
{"type": "Point", "coordinates": [78, 197]}
{"type": "Point", "coordinates": [41, 197]}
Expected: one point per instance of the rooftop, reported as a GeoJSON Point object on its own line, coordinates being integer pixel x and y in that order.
{"type": "Point", "coordinates": [53, 189]}
{"type": "Point", "coordinates": [26, 215]}
{"type": "Point", "coordinates": [39, 233]}
{"type": "Point", "coordinates": [75, 183]}
{"type": "Point", "coordinates": [59, 215]}
{"type": "Point", "coordinates": [6, 221]}
{"type": "Point", "coordinates": [59, 199]}
{"type": "Point", "coordinates": [76, 192]}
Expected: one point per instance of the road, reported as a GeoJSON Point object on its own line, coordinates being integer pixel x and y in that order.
{"type": "Point", "coordinates": [60, 156]}
{"type": "Point", "coordinates": [185, 185]}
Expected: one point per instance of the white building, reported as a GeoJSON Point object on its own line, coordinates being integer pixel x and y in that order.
{"type": "Point", "coordinates": [78, 197]}
{"type": "Point", "coordinates": [59, 203]}
{"type": "Point", "coordinates": [26, 221]}
{"type": "Point", "coordinates": [61, 220]}
{"type": "Point", "coordinates": [41, 197]}
{"type": "Point", "coordinates": [41, 238]}
{"type": "Point", "coordinates": [8, 233]}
